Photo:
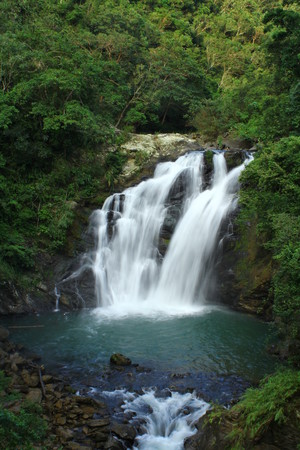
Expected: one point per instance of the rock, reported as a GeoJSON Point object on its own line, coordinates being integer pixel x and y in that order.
{"type": "Point", "coordinates": [34, 396]}
{"type": "Point", "coordinates": [60, 420]}
{"type": "Point", "coordinates": [126, 432]}
{"type": "Point", "coordinates": [98, 423]}
{"type": "Point", "coordinates": [47, 378]}
{"type": "Point", "coordinates": [64, 300]}
{"type": "Point", "coordinates": [65, 433]}
{"type": "Point", "coordinates": [32, 380]}
{"type": "Point", "coordinates": [118, 359]}
{"type": "Point", "coordinates": [77, 446]}
{"type": "Point", "coordinates": [90, 401]}
{"type": "Point", "coordinates": [100, 436]}
{"type": "Point", "coordinates": [58, 404]}
{"type": "Point", "coordinates": [88, 410]}
{"type": "Point", "coordinates": [17, 359]}
{"type": "Point", "coordinates": [145, 150]}
{"type": "Point", "coordinates": [4, 333]}
{"type": "Point", "coordinates": [113, 444]}
{"type": "Point", "coordinates": [42, 287]}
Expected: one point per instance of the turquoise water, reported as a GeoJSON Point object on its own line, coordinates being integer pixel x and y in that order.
{"type": "Point", "coordinates": [216, 341]}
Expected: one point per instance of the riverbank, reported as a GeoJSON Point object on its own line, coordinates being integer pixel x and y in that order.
{"type": "Point", "coordinates": [71, 420]}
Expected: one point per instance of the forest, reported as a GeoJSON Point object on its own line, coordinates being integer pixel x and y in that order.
{"type": "Point", "coordinates": [77, 76]}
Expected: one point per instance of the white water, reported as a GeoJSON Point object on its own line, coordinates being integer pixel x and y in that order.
{"type": "Point", "coordinates": [167, 421]}
{"type": "Point", "coordinates": [130, 276]}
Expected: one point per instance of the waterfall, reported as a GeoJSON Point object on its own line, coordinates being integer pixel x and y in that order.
{"type": "Point", "coordinates": [130, 271]}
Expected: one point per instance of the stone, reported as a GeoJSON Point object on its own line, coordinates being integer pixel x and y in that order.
{"type": "Point", "coordinates": [123, 431]}
{"type": "Point", "coordinates": [65, 433]}
{"type": "Point", "coordinates": [58, 404]}
{"type": "Point", "coordinates": [98, 423]}
{"type": "Point", "coordinates": [17, 359]}
{"type": "Point", "coordinates": [99, 436]}
{"type": "Point", "coordinates": [47, 378]}
{"type": "Point", "coordinates": [42, 287]}
{"type": "Point", "coordinates": [32, 380]}
{"type": "Point", "coordinates": [4, 333]}
{"type": "Point", "coordinates": [113, 444]}
{"type": "Point", "coordinates": [119, 360]}
{"type": "Point", "coordinates": [34, 396]}
{"type": "Point", "coordinates": [60, 420]}
{"type": "Point", "coordinates": [88, 410]}
{"type": "Point", "coordinates": [76, 445]}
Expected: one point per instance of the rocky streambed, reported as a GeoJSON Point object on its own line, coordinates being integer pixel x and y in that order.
{"type": "Point", "coordinates": [73, 421]}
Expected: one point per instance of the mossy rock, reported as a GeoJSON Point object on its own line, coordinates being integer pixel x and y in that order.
{"type": "Point", "coordinates": [117, 359]}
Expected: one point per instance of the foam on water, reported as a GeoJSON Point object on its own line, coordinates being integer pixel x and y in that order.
{"type": "Point", "coordinates": [167, 421]}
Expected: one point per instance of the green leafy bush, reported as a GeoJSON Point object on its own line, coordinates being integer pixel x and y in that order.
{"type": "Point", "coordinates": [271, 403]}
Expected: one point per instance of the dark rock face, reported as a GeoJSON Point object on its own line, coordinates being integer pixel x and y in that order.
{"type": "Point", "coordinates": [16, 300]}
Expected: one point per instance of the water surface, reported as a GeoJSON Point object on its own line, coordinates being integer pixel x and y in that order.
{"type": "Point", "coordinates": [214, 341]}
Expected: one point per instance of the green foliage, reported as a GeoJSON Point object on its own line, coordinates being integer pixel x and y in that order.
{"type": "Point", "coordinates": [114, 162]}
{"type": "Point", "coordinates": [271, 403]}
{"type": "Point", "coordinates": [252, 51]}
{"type": "Point", "coordinates": [271, 194]}
{"type": "Point", "coordinates": [22, 429]}
{"type": "Point", "coordinates": [71, 74]}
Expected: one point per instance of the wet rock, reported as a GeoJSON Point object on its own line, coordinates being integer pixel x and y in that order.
{"type": "Point", "coordinates": [47, 378]}
{"type": "Point", "coordinates": [171, 220]}
{"type": "Point", "coordinates": [126, 432]}
{"type": "Point", "coordinates": [113, 444]}
{"type": "Point", "coordinates": [4, 333]}
{"type": "Point", "coordinates": [90, 401]}
{"type": "Point", "coordinates": [118, 359]}
{"type": "Point", "coordinates": [234, 158]}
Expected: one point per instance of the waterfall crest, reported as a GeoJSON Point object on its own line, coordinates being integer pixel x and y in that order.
{"type": "Point", "coordinates": [130, 271]}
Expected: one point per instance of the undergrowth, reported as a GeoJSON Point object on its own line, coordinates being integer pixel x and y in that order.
{"type": "Point", "coordinates": [259, 408]}
{"type": "Point", "coordinates": [18, 430]}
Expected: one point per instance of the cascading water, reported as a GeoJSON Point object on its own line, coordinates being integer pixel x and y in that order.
{"type": "Point", "coordinates": [132, 276]}
{"type": "Point", "coordinates": [167, 421]}
{"type": "Point", "coordinates": [130, 273]}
